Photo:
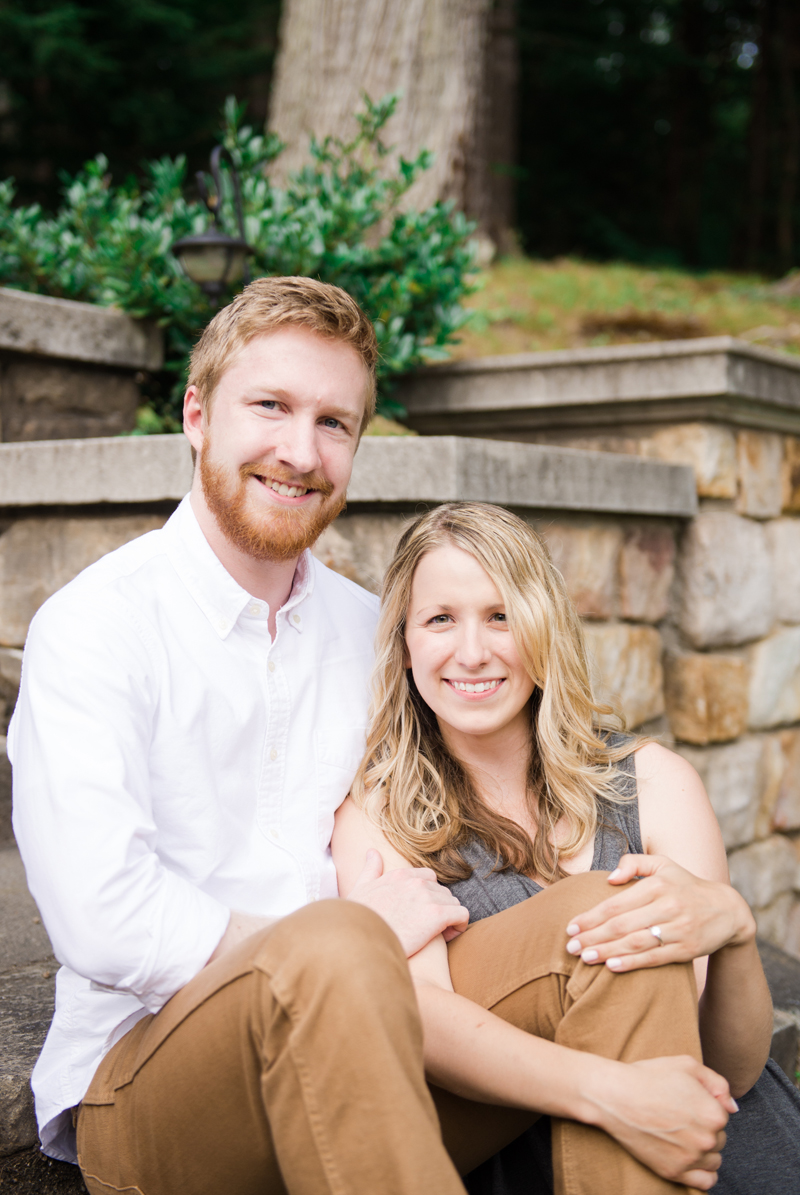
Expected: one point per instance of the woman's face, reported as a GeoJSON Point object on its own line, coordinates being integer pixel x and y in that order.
{"type": "Point", "coordinates": [461, 651]}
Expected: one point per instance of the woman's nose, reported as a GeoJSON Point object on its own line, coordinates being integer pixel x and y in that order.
{"type": "Point", "coordinates": [472, 650]}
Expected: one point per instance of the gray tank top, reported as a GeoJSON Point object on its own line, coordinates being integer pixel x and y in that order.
{"type": "Point", "coordinates": [488, 891]}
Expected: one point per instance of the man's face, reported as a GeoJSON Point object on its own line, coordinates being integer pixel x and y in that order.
{"type": "Point", "coordinates": [276, 451]}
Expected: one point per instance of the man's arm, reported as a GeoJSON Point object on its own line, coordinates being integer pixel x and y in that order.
{"type": "Point", "coordinates": [80, 743]}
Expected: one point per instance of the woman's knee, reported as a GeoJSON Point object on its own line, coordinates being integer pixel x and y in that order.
{"type": "Point", "coordinates": [577, 894]}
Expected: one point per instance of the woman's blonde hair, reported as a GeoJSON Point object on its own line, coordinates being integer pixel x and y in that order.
{"type": "Point", "coordinates": [420, 795]}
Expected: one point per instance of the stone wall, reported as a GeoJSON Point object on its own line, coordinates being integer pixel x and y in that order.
{"type": "Point", "coordinates": [691, 606]}
{"type": "Point", "coordinates": [70, 369]}
{"type": "Point", "coordinates": [729, 625]}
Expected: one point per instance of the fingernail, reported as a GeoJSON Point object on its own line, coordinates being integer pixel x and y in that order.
{"type": "Point", "coordinates": [573, 929]}
{"type": "Point", "coordinates": [616, 872]}
{"type": "Point", "coordinates": [614, 963]}
{"type": "Point", "coordinates": [574, 947]}
{"type": "Point", "coordinates": [589, 956]}
{"type": "Point", "coordinates": [736, 1106]}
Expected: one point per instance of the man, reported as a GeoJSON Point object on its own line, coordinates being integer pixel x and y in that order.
{"type": "Point", "coordinates": [191, 715]}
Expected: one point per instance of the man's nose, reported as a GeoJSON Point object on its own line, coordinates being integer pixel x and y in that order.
{"type": "Point", "coordinates": [297, 447]}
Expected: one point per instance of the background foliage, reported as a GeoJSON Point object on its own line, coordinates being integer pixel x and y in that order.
{"type": "Point", "coordinates": [131, 79]}
{"type": "Point", "coordinates": [338, 219]}
{"type": "Point", "coordinates": [662, 131]}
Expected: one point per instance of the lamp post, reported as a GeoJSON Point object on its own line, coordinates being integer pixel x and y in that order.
{"type": "Point", "coordinates": [213, 259]}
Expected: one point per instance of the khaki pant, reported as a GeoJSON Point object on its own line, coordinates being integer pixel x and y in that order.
{"type": "Point", "coordinates": [294, 1063]}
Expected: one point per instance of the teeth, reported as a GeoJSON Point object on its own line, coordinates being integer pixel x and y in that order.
{"type": "Point", "coordinates": [288, 491]}
{"type": "Point", "coordinates": [479, 687]}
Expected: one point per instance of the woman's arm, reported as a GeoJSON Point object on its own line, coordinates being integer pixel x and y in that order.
{"type": "Point", "coordinates": [686, 892]}
{"type": "Point", "coordinates": [665, 1112]}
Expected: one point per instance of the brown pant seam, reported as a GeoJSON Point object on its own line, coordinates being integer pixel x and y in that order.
{"type": "Point", "coordinates": [109, 1186]}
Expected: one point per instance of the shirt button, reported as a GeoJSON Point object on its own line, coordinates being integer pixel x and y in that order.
{"type": "Point", "coordinates": [275, 833]}
{"type": "Point", "coordinates": [253, 609]}
{"type": "Point", "coordinates": [296, 618]}
{"type": "Point", "coordinates": [222, 624]}
{"type": "Point", "coordinates": [273, 754]}
{"type": "Point", "coordinates": [271, 665]}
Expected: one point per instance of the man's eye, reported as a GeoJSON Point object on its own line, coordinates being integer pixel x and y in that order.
{"type": "Point", "coordinates": [269, 404]}
{"type": "Point", "coordinates": [331, 422]}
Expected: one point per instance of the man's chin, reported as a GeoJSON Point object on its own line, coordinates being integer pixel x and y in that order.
{"type": "Point", "coordinates": [263, 530]}
{"type": "Point", "coordinates": [280, 535]}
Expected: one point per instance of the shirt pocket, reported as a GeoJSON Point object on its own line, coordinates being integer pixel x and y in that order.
{"type": "Point", "coordinates": [337, 756]}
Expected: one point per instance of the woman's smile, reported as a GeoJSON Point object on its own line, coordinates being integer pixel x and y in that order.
{"type": "Point", "coordinates": [474, 688]}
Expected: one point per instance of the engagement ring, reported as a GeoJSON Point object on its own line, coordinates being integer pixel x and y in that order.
{"type": "Point", "coordinates": [655, 930]}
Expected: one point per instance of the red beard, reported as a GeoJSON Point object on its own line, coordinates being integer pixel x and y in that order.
{"type": "Point", "coordinates": [270, 534]}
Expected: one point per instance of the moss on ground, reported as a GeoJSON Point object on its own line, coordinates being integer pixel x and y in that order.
{"type": "Point", "coordinates": [524, 305]}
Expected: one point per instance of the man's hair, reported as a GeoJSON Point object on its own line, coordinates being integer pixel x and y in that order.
{"type": "Point", "coordinates": [271, 303]}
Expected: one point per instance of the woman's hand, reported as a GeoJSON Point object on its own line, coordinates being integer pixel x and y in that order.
{"type": "Point", "coordinates": [660, 1111]}
{"type": "Point", "coordinates": [694, 917]}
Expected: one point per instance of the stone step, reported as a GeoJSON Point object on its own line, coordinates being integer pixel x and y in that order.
{"type": "Point", "coordinates": [6, 832]}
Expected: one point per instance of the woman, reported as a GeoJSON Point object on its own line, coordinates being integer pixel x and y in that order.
{"type": "Point", "coordinates": [489, 762]}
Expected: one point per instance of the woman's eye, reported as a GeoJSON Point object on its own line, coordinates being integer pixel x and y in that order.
{"type": "Point", "coordinates": [440, 619]}
{"type": "Point", "coordinates": [499, 617]}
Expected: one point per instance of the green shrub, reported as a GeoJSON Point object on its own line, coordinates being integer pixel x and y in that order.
{"type": "Point", "coordinates": [338, 219]}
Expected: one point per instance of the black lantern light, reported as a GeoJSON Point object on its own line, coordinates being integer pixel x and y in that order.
{"type": "Point", "coordinates": [213, 259]}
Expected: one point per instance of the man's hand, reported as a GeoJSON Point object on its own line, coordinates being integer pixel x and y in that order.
{"type": "Point", "coordinates": [411, 901]}
{"type": "Point", "coordinates": [695, 918]}
{"type": "Point", "coordinates": [669, 1113]}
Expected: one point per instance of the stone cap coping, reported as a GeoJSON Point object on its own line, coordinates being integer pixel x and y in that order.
{"type": "Point", "coordinates": [387, 469]}
{"type": "Point", "coordinates": [74, 331]}
{"type": "Point", "coordinates": [715, 377]}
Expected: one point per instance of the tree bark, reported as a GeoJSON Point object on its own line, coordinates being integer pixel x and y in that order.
{"type": "Point", "coordinates": [454, 64]}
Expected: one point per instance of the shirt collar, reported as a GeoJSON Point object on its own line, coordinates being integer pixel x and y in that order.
{"type": "Point", "coordinates": [222, 599]}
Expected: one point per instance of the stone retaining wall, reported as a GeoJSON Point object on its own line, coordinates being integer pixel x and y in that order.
{"type": "Point", "coordinates": [692, 612]}
{"type": "Point", "coordinates": [731, 634]}
{"type": "Point", "coordinates": [70, 369]}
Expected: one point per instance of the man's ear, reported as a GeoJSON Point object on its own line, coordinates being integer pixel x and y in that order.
{"type": "Point", "coordinates": [194, 420]}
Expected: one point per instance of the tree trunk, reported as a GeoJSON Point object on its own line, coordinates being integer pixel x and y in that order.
{"type": "Point", "coordinates": [452, 61]}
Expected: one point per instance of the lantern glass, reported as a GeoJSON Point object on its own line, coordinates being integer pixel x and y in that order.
{"type": "Point", "coordinates": [207, 262]}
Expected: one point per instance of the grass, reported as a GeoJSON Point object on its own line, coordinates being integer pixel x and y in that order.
{"type": "Point", "coordinates": [526, 306]}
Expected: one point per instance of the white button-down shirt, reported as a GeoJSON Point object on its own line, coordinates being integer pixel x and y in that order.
{"type": "Point", "coordinates": [172, 762]}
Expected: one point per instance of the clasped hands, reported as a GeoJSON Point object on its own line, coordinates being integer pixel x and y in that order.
{"type": "Point", "coordinates": [693, 917]}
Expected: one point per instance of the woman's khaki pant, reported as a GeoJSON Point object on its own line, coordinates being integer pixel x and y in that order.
{"type": "Point", "coordinates": [294, 1063]}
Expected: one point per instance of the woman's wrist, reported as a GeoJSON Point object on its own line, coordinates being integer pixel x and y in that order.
{"type": "Point", "coordinates": [744, 923]}
{"type": "Point", "coordinates": [600, 1085]}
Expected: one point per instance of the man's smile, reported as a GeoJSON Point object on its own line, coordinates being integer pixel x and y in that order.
{"type": "Point", "coordinates": [282, 488]}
